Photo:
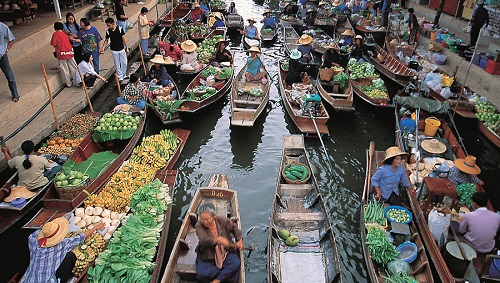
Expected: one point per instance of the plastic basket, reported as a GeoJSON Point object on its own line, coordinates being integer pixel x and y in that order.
{"type": "Point", "coordinates": [407, 252]}
{"type": "Point", "coordinates": [288, 181]}
{"type": "Point", "coordinates": [398, 208]}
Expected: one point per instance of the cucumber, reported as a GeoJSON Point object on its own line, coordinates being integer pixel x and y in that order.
{"type": "Point", "coordinates": [297, 174]}
{"type": "Point", "coordinates": [290, 177]}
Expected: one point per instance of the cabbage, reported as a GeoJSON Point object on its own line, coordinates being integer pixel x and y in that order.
{"type": "Point", "coordinates": [397, 266]}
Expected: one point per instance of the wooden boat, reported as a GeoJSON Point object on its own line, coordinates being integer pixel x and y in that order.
{"type": "Point", "coordinates": [327, 22]}
{"type": "Point", "coordinates": [211, 20]}
{"type": "Point", "coordinates": [268, 36]}
{"type": "Point", "coordinates": [488, 133]}
{"type": "Point", "coordinates": [320, 39]}
{"type": "Point", "coordinates": [53, 207]}
{"type": "Point", "coordinates": [160, 113]}
{"type": "Point", "coordinates": [191, 105]}
{"type": "Point", "coordinates": [420, 269]}
{"type": "Point", "coordinates": [249, 42]}
{"type": "Point", "coordinates": [217, 8]}
{"type": "Point", "coordinates": [180, 11]}
{"type": "Point", "coordinates": [390, 66]}
{"type": "Point", "coordinates": [291, 20]}
{"type": "Point", "coordinates": [393, 49]}
{"type": "Point", "coordinates": [235, 21]}
{"type": "Point", "coordinates": [291, 38]}
{"type": "Point", "coordinates": [245, 108]}
{"type": "Point", "coordinates": [307, 125]}
{"type": "Point", "coordinates": [341, 100]}
{"type": "Point", "coordinates": [179, 30]}
{"type": "Point", "coordinates": [197, 35]}
{"type": "Point", "coordinates": [181, 264]}
{"type": "Point", "coordinates": [343, 25]}
{"type": "Point", "coordinates": [378, 34]}
{"type": "Point", "coordinates": [421, 216]}
{"type": "Point", "coordinates": [300, 209]}
{"type": "Point", "coordinates": [379, 102]}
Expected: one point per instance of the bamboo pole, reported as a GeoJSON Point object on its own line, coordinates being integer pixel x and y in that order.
{"type": "Point", "coordinates": [50, 97]}
{"type": "Point", "coordinates": [142, 60]}
{"type": "Point", "coordinates": [172, 14]}
{"type": "Point", "coordinates": [85, 89]}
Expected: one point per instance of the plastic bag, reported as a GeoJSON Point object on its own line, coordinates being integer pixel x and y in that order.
{"type": "Point", "coordinates": [439, 224]}
{"type": "Point", "coordinates": [397, 266]}
{"type": "Point", "coordinates": [129, 24]}
{"type": "Point", "coordinates": [446, 92]}
{"type": "Point", "coordinates": [467, 29]}
{"type": "Point", "coordinates": [486, 32]}
{"type": "Point", "coordinates": [71, 219]}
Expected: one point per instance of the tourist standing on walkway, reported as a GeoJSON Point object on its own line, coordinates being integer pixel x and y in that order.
{"type": "Point", "coordinates": [71, 28]}
{"type": "Point", "coordinates": [413, 26]}
{"type": "Point", "coordinates": [120, 14]}
{"type": "Point", "coordinates": [64, 53]}
{"type": "Point", "coordinates": [91, 41]}
{"type": "Point", "coordinates": [144, 25]}
{"type": "Point", "coordinates": [479, 18]}
{"type": "Point", "coordinates": [6, 41]}
{"type": "Point", "coordinates": [386, 9]}
{"type": "Point", "coordinates": [119, 48]}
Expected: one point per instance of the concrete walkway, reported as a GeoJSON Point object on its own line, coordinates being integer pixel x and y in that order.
{"type": "Point", "coordinates": [27, 56]}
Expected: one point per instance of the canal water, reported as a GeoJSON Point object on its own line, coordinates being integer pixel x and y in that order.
{"type": "Point", "coordinates": [251, 159]}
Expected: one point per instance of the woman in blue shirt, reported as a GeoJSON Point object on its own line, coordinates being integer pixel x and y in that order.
{"type": "Point", "coordinates": [389, 176]}
{"type": "Point", "coordinates": [250, 31]}
{"type": "Point", "coordinates": [219, 23]}
{"type": "Point", "coordinates": [71, 28]}
{"type": "Point", "coordinates": [268, 20]}
{"type": "Point", "coordinates": [254, 65]}
{"type": "Point", "coordinates": [306, 49]}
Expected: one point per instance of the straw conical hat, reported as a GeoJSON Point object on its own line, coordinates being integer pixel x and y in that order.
{"type": "Point", "coordinates": [348, 32]}
{"type": "Point", "coordinates": [468, 165]}
{"type": "Point", "coordinates": [158, 59]}
{"type": "Point", "coordinates": [53, 232]}
{"type": "Point", "coordinates": [433, 146]}
{"type": "Point", "coordinates": [19, 192]}
{"type": "Point", "coordinates": [254, 49]}
{"type": "Point", "coordinates": [305, 39]}
{"type": "Point", "coordinates": [393, 152]}
{"type": "Point", "coordinates": [188, 46]}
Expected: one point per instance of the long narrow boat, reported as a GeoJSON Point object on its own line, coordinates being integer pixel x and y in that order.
{"type": "Point", "coordinates": [191, 105]}
{"type": "Point", "coordinates": [217, 8]}
{"type": "Point", "coordinates": [53, 207]}
{"type": "Point", "coordinates": [341, 100]}
{"type": "Point", "coordinates": [181, 265]}
{"type": "Point", "coordinates": [249, 42]}
{"type": "Point", "coordinates": [307, 124]}
{"type": "Point", "coordinates": [268, 36]}
{"type": "Point", "coordinates": [357, 85]}
{"type": "Point", "coordinates": [291, 38]}
{"type": "Point", "coordinates": [390, 66]}
{"type": "Point", "coordinates": [291, 20]}
{"type": "Point", "coordinates": [199, 32]}
{"type": "Point", "coordinates": [420, 269]}
{"type": "Point", "coordinates": [300, 209]}
{"type": "Point", "coordinates": [181, 11]}
{"type": "Point", "coordinates": [246, 108]}
{"type": "Point", "coordinates": [160, 113]}
{"type": "Point", "coordinates": [235, 21]}
{"type": "Point", "coordinates": [393, 48]}
{"type": "Point", "coordinates": [320, 39]}
{"type": "Point", "coordinates": [378, 33]}
{"type": "Point", "coordinates": [327, 22]}
{"type": "Point", "coordinates": [343, 25]}
{"type": "Point", "coordinates": [179, 30]}
{"type": "Point", "coordinates": [457, 150]}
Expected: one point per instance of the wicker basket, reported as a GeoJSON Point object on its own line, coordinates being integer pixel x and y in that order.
{"type": "Point", "coordinates": [288, 181]}
{"type": "Point", "coordinates": [326, 74]}
{"type": "Point", "coordinates": [70, 193]}
{"type": "Point", "coordinates": [363, 81]}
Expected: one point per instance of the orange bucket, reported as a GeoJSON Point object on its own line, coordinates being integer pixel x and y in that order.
{"type": "Point", "coordinates": [431, 126]}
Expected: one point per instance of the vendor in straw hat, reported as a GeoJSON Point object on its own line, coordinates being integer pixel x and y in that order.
{"type": "Point", "coordinates": [358, 49]}
{"type": "Point", "coordinates": [221, 54]}
{"type": "Point", "coordinates": [171, 49]}
{"type": "Point", "coordinates": [268, 20]}
{"type": "Point", "coordinates": [306, 48]}
{"type": "Point", "coordinates": [289, 10]}
{"type": "Point", "coordinates": [295, 69]}
{"type": "Point", "coordinates": [255, 69]}
{"type": "Point", "coordinates": [219, 23]}
{"type": "Point", "coordinates": [331, 56]}
{"type": "Point", "coordinates": [310, 18]}
{"type": "Point", "coordinates": [250, 31]}
{"type": "Point", "coordinates": [51, 258]}
{"type": "Point", "coordinates": [189, 61]}
{"type": "Point", "coordinates": [338, 7]}
{"type": "Point", "coordinates": [157, 74]}
{"type": "Point", "coordinates": [389, 176]}
{"type": "Point", "coordinates": [196, 13]}
{"type": "Point", "coordinates": [465, 171]}
{"type": "Point", "coordinates": [347, 37]}
{"type": "Point", "coordinates": [33, 171]}
{"type": "Point", "coordinates": [321, 11]}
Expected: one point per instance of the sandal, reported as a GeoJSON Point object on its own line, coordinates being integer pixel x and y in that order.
{"type": "Point", "coordinates": [15, 99]}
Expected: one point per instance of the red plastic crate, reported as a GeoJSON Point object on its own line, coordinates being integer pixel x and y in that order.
{"type": "Point", "coordinates": [492, 67]}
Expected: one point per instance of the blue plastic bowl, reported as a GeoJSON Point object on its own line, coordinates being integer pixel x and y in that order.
{"type": "Point", "coordinates": [399, 208]}
{"type": "Point", "coordinates": [407, 252]}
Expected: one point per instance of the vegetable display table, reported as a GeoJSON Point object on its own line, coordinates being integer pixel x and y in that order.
{"type": "Point", "coordinates": [438, 187]}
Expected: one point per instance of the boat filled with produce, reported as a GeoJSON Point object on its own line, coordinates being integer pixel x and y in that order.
{"type": "Point", "coordinates": [206, 48]}
{"type": "Point", "coordinates": [367, 83]}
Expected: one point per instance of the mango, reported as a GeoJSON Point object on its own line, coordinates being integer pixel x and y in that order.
{"type": "Point", "coordinates": [284, 234]}
{"type": "Point", "coordinates": [292, 241]}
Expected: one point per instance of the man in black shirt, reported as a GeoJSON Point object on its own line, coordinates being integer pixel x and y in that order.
{"type": "Point", "coordinates": [479, 18]}
{"type": "Point", "coordinates": [120, 14]}
{"type": "Point", "coordinates": [118, 46]}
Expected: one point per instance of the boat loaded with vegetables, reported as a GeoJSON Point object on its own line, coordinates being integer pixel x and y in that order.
{"type": "Point", "coordinates": [390, 66]}
{"type": "Point", "coordinates": [217, 6]}
{"type": "Point", "coordinates": [335, 88]}
{"type": "Point", "coordinates": [163, 105]}
{"type": "Point", "coordinates": [197, 32]}
{"type": "Point", "coordinates": [303, 104]}
{"type": "Point", "coordinates": [301, 243]}
{"type": "Point", "coordinates": [489, 120]}
{"type": "Point", "coordinates": [367, 84]}
{"type": "Point", "coordinates": [268, 34]}
{"type": "Point", "coordinates": [446, 148]}
{"type": "Point", "coordinates": [392, 246]}
{"type": "Point", "coordinates": [58, 147]}
{"type": "Point", "coordinates": [207, 87]}
{"type": "Point", "coordinates": [205, 50]}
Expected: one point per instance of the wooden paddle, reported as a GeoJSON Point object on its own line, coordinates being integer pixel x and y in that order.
{"type": "Point", "coordinates": [85, 89]}
{"type": "Point", "coordinates": [371, 153]}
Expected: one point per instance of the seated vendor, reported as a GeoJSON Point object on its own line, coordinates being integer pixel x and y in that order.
{"type": "Point", "coordinates": [407, 125]}
{"type": "Point", "coordinates": [480, 227]}
{"type": "Point", "coordinates": [465, 171]}
{"type": "Point", "coordinates": [189, 61]}
{"type": "Point", "coordinates": [51, 258]}
{"type": "Point", "coordinates": [268, 20]}
{"type": "Point", "coordinates": [222, 54]}
{"type": "Point", "coordinates": [321, 11]}
{"type": "Point", "coordinates": [219, 23]}
{"type": "Point", "coordinates": [346, 37]}
{"type": "Point", "coordinates": [134, 93]}
{"type": "Point", "coordinates": [389, 176]}
{"type": "Point", "coordinates": [157, 74]}
{"type": "Point", "coordinates": [306, 49]}
{"type": "Point", "coordinates": [217, 255]}
{"type": "Point", "coordinates": [358, 49]}
{"type": "Point", "coordinates": [254, 65]}
{"type": "Point", "coordinates": [33, 171]}
{"type": "Point", "coordinates": [310, 18]}
{"type": "Point", "coordinates": [295, 69]}
{"type": "Point", "coordinates": [331, 57]}
{"type": "Point", "coordinates": [196, 13]}
{"type": "Point", "coordinates": [171, 49]}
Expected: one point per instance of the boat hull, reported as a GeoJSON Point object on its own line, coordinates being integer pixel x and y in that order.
{"type": "Point", "coordinates": [339, 101]}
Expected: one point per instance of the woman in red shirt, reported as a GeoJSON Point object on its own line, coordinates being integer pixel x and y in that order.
{"type": "Point", "coordinates": [171, 49]}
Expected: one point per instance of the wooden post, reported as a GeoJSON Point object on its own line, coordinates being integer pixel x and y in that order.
{"type": "Point", "coordinates": [50, 97]}
{"type": "Point", "coordinates": [142, 60]}
{"type": "Point", "coordinates": [172, 14]}
{"type": "Point", "coordinates": [118, 85]}
{"type": "Point", "coordinates": [85, 89]}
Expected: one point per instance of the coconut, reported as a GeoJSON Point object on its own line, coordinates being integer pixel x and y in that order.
{"type": "Point", "coordinates": [106, 213]}
{"type": "Point", "coordinates": [80, 212]}
{"type": "Point", "coordinates": [113, 215]}
{"type": "Point", "coordinates": [77, 219]}
{"type": "Point", "coordinates": [97, 211]}
{"type": "Point", "coordinates": [89, 210]}
{"type": "Point", "coordinates": [96, 219]}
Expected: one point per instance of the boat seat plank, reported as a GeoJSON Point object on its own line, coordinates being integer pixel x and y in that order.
{"type": "Point", "coordinates": [295, 186]}
{"type": "Point", "coordinates": [308, 216]}
{"type": "Point", "coordinates": [187, 258]}
{"type": "Point", "coordinates": [244, 123]}
{"type": "Point", "coordinates": [293, 141]}
{"type": "Point", "coordinates": [294, 264]}
{"type": "Point", "coordinates": [339, 95]}
{"type": "Point", "coordinates": [247, 102]}
{"type": "Point", "coordinates": [244, 110]}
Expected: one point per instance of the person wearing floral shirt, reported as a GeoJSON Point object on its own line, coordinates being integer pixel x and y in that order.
{"type": "Point", "coordinates": [134, 93]}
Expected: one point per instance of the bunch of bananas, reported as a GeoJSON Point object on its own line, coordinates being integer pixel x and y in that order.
{"type": "Point", "coordinates": [87, 252]}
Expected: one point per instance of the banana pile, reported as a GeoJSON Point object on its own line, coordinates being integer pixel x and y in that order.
{"type": "Point", "coordinates": [87, 252]}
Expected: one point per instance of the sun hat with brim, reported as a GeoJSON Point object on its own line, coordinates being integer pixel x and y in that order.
{"type": "Point", "coordinates": [347, 32]}
{"type": "Point", "coordinates": [310, 10]}
{"type": "Point", "coordinates": [251, 19]}
{"type": "Point", "coordinates": [266, 11]}
{"type": "Point", "coordinates": [468, 165]}
{"type": "Point", "coordinates": [336, 3]}
{"type": "Point", "coordinates": [393, 152]}
{"type": "Point", "coordinates": [305, 39]}
{"type": "Point", "coordinates": [433, 146]}
{"type": "Point", "coordinates": [53, 232]}
{"type": "Point", "coordinates": [19, 192]}
{"type": "Point", "coordinates": [188, 46]}
{"type": "Point", "coordinates": [196, 5]}
{"type": "Point", "coordinates": [359, 36]}
{"type": "Point", "coordinates": [222, 40]}
{"type": "Point", "coordinates": [158, 59]}
{"type": "Point", "coordinates": [295, 54]}
{"type": "Point", "coordinates": [332, 45]}
{"type": "Point", "coordinates": [254, 49]}
{"type": "Point", "coordinates": [321, 3]}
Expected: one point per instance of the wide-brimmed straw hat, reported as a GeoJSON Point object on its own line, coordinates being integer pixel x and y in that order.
{"type": "Point", "coordinates": [251, 19]}
{"type": "Point", "coordinates": [218, 16]}
{"type": "Point", "coordinates": [332, 45]}
{"type": "Point", "coordinates": [305, 39]}
{"type": "Point", "coordinates": [266, 11]}
{"type": "Point", "coordinates": [336, 3]}
{"type": "Point", "coordinates": [347, 32]}
{"type": "Point", "coordinates": [321, 3]}
{"type": "Point", "coordinates": [310, 10]}
{"type": "Point", "coordinates": [196, 5]}
{"type": "Point", "coordinates": [394, 151]}
{"type": "Point", "coordinates": [222, 40]}
{"type": "Point", "coordinates": [295, 54]}
{"type": "Point", "coordinates": [359, 36]}
{"type": "Point", "coordinates": [433, 146]}
{"type": "Point", "coordinates": [158, 59]}
{"type": "Point", "coordinates": [254, 49]}
{"type": "Point", "coordinates": [468, 165]}
{"type": "Point", "coordinates": [19, 192]}
{"type": "Point", "coordinates": [53, 232]}
{"type": "Point", "coordinates": [188, 46]}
